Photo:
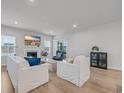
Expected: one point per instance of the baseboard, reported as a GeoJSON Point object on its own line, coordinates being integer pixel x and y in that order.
{"type": "Point", "coordinates": [114, 68]}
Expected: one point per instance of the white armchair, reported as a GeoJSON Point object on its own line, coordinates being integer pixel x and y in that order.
{"type": "Point", "coordinates": [77, 73]}
{"type": "Point", "coordinates": [25, 78]}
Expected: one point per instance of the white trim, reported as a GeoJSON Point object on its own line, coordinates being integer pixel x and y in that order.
{"type": "Point", "coordinates": [115, 68]}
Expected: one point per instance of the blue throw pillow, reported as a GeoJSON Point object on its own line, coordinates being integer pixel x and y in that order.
{"type": "Point", "coordinates": [33, 61]}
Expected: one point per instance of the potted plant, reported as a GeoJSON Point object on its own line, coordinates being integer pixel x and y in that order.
{"type": "Point", "coordinates": [44, 53]}
{"type": "Point", "coordinates": [95, 49]}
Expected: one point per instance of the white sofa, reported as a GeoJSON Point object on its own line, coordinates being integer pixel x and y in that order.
{"type": "Point", "coordinates": [25, 78]}
{"type": "Point", "coordinates": [77, 73]}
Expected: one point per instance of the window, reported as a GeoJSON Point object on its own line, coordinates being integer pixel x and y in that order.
{"type": "Point", "coordinates": [62, 45]}
{"type": "Point", "coordinates": [8, 44]}
{"type": "Point", "coordinates": [47, 44]}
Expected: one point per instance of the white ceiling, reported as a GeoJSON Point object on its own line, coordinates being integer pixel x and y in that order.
{"type": "Point", "coordinates": [58, 16]}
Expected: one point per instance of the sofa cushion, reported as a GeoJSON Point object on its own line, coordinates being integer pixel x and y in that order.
{"type": "Point", "coordinates": [33, 61]}
{"type": "Point", "coordinates": [23, 64]}
{"type": "Point", "coordinates": [20, 61]}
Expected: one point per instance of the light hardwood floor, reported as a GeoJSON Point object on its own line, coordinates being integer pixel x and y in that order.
{"type": "Point", "coordinates": [101, 81]}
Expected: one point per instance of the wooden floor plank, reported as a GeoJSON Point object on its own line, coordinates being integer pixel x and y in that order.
{"type": "Point", "coordinates": [101, 81]}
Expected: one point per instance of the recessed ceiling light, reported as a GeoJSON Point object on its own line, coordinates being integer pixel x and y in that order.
{"type": "Point", "coordinates": [32, 1]}
{"type": "Point", "coordinates": [16, 22]}
{"type": "Point", "coordinates": [74, 25]}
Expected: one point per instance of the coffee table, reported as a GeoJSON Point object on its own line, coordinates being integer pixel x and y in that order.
{"type": "Point", "coordinates": [52, 64]}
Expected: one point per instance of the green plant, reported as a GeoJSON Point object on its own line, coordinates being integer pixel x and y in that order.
{"type": "Point", "coordinates": [95, 48]}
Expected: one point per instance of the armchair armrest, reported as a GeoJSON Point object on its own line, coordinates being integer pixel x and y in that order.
{"type": "Point", "coordinates": [32, 77]}
{"type": "Point", "coordinates": [67, 69]}
{"type": "Point", "coordinates": [33, 73]}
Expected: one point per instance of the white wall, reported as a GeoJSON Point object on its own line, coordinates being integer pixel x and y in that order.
{"type": "Point", "coordinates": [19, 34]}
{"type": "Point", "coordinates": [108, 37]}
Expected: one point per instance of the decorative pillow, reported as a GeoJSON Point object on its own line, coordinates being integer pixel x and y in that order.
{"type": "Point", "coordinates": [70, 60]}
{"type": "Point", "coordinates": [33, 61]}
{"type": "Point", "coordinates": [59, 55]}
{"type": "Point", "coordinates": [20, 61]}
